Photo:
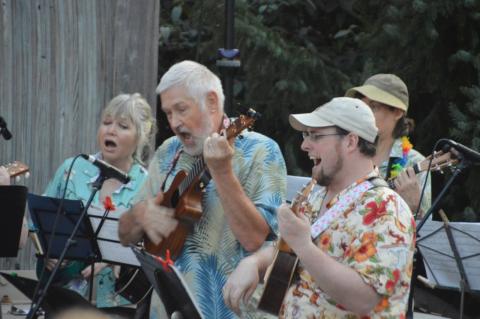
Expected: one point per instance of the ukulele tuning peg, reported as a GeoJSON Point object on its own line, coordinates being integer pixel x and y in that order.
{"type": "Point", "coordinates": [17, 179]}
{"type": "Point", "coordinates": [27, 175]}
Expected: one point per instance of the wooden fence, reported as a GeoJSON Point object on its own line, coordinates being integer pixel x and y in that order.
{"type": "Point", "coordinates": [61, 61]}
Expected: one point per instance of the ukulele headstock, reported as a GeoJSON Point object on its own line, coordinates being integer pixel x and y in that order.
{"type": "Point", "coordinates": [300, 202]}
{"type": "Point", "coordinates": [244, 121]}
{"type": "Point", "coordinates": [441, 161]}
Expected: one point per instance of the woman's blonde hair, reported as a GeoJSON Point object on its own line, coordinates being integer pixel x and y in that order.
{"type": "Point", "coordinates": [135, 108]}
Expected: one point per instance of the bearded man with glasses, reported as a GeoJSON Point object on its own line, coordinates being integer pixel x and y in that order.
{"type": "Point", "coordinates": [355, 257]}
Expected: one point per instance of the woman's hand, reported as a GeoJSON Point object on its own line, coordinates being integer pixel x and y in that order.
{"type": "Point", "coordinates": [96, 269]}
{"type": "Point", "coordinates": [51, 263]}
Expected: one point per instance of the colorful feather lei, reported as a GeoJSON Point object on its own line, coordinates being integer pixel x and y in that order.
{"type": "Point", "coordinates": [400, 163]}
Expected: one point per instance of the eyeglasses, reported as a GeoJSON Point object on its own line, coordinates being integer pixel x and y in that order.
{"type": "Point", "coordinates": [374, 105]}
{"type": "Point", "coordinates": [314, 137]}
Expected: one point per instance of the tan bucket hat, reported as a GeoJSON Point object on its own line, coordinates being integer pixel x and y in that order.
{"type": "Point", "coordinates": [388, 89]}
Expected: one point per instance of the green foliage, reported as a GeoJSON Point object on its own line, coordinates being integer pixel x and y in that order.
{"type": "Point", "coordinates": [297, 54]}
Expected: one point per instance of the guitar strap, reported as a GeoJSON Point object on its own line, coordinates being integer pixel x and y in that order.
{"type": "Point", "coordinates": [174, 163]}
{"type": "Point", "coordinates": [343, 202]}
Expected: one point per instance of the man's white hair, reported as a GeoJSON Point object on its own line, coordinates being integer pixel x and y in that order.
{"type": "Point", "coordinates": [196, 78]}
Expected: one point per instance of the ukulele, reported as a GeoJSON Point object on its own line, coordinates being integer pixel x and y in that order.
{"type": "Point", "coordinates": [440, 161]}
{"type": "Point", "coordinates": [280, 274]}
{"type": "Point", "coordinates": [16, 169]}
{"type": "Point", "coordinates": [185, 194]}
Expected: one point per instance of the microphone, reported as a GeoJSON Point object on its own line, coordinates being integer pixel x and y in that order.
{"type": "Point", "coordinates": [107, 170]}
{"type": "Point", "coordinates": [3, 129]}
{"type": "Point", "coordinates": [470, 154]}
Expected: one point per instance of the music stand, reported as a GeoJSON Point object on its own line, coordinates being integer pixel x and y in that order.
{"type": "Point", "coordinates": [13, 199]}
{"type": "Point", "coordinates": [105, 228]}
{"type": "Point", "coordinates": [451, 254]}
{"type": "Point", "coordinates": [73, 237]}
{"type": "Point", "coordinates": [43, 211]}
{"type": "Point", "coordinates": [463, 164]}
{"type": "Point", "coordinates": [56, 299]}
{"type": "Point", "coordinates": [169, 285]}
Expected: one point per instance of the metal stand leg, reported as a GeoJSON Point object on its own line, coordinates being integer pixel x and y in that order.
{"type": "Point", "coordinates": [462, 297]}
{"type": "Point", "coordinates": [91, 282]}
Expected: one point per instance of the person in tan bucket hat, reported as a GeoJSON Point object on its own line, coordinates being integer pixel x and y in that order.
{"type": "Point", "coordinates": [356, 253]}
{"type": "Point", "coordinates": [387, 96]}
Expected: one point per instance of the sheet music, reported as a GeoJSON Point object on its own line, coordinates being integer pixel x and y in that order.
{"type": "Point", "coordinates": [439, 260]}
{"type": "Point", "coordinates": [108, 240]}
{"type": "Point", "coordinates": [151, 265]}
{"type": "Point", "coordinates": [115, 252]}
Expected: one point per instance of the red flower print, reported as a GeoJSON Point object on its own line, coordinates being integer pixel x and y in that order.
{"type": "Point", "coordinates": [392, 282]}
{"type": "Point", "coordinates": [325, 242]}
{"type": "Point", "coordinates": [382, 305]}
{"type": "Point", "coordinates": [347, 252]}
{"type": "Point", "coordinates": [314, 298]}
{"type": "Point", "coordinates": [108, 204]}
{"type": "Point", "coordinates": [376, 211]}
{"type": "Point", "coordinates": [399, 239]}
{"type": "Point", "coordinates": [369, 237]}
{"type": "Point", "coordinates": [365, 251]}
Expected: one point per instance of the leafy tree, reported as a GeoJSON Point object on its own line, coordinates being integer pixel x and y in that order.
{"type": "Point", "coordinates": [297, 54]}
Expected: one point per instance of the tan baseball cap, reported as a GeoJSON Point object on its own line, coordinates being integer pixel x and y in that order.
{"type": "Point", "coordinates": [388, 89]}
{"type": "Point", "coordinates": [350, 114]}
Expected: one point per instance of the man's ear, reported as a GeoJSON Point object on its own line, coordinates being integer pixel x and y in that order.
{"type": "Point", "coordinates": [398, 113]}
{"type": "Point", "coordinates": [352, 141]}
{"type": "Point", "coordinates": [212, 102]}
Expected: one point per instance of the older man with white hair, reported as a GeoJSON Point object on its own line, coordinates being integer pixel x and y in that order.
{"type": "Point", "coordinates": [238, 204]}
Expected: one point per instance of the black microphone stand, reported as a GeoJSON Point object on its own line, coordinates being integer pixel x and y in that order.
{"type": "Point", "coordinates": [38, 299]}
{"type": "Point", "coordinates": [464, 163]}
{"type": "Point", "coordinates": [229, 60]}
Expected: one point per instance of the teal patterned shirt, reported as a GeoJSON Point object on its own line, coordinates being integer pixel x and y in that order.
{"type": "Point", "coordinates": [212, 252]}
{"type": "Point", "coordinates": [413, 157]}
{"type": "Point", "coordinates": [79, 186]}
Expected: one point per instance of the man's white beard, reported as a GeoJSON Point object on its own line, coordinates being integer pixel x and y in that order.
{"type": "Point", "coordinates": [197, 147]}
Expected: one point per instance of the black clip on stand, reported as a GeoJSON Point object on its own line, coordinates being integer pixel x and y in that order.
{"type": "Point", "coordinates": [4, 132]}
{"type": "Point", "coordinates": [229, 60]}
{"type": "Point", "coordinates": [97, 185]}
{"type": "Point", "coordinates": [464, 163]}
